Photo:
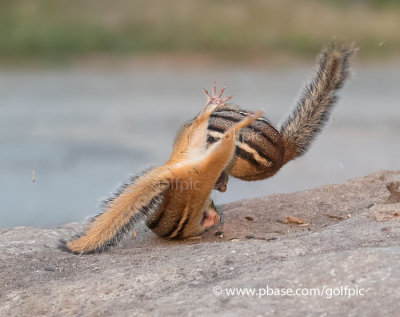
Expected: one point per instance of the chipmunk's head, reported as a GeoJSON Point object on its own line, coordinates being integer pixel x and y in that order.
{"type": "Point", "coordinates": [222, 182]}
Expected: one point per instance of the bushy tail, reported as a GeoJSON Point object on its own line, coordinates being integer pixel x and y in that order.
{"type": "Point", "coordinates": [140, 197]}
{"type": "Point", "coordinates": [316, 100]}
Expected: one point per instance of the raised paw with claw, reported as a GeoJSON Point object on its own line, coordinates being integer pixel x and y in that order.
{"type": "Point", "coordinates": [216, 99]}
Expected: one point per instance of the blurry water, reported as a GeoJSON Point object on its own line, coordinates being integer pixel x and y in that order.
{"type": "Point", "coordinates": [83, 132]}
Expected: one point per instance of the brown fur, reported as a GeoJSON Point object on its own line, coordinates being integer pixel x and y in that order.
{"type": "Point", "coordinates": [259, 153]}
{"type": "Point", "coordinates": [121, 210]}
{"type": "Point", "coordinates": [185, 183]}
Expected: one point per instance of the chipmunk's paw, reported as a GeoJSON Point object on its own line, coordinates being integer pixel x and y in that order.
{"type": "Point", "coordinates": [216, 99]}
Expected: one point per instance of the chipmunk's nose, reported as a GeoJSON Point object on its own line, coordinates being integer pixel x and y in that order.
{"type": "Point", "coordinates": [220, 187]}
{"type": "Point", "coordinates": [222, 182]}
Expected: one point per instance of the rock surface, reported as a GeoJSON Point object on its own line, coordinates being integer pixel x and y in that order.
{"type": "Point", "coordinates": [350, 243]}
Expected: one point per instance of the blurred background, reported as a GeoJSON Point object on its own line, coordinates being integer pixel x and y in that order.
{"type": "Point", "coordinates": [93, 91]}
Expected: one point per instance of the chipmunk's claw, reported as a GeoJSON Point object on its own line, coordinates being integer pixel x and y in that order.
{"type": "Point", "coordinates": [214, 89]}
{"type": "Point", "coordinates": [216, 99]}
{"type": "Point", "coordinates": [226, 99]}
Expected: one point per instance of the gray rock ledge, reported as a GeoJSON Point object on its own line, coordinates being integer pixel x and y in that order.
{"type": "Point", "coordinates": [351, 239]}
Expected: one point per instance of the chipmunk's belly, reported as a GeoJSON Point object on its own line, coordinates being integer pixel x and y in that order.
{"type": "Point", "coordinates": [259, 149]}
{"type": "Point", "coordinates": [180, 212]}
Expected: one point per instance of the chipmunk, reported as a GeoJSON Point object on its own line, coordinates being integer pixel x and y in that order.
{"type": "Point", "coordinates": [222, 140]}
{"type": "Point", "coordinates": [172, 208]}
{"type": "Point", "coordinates": [261, 149]}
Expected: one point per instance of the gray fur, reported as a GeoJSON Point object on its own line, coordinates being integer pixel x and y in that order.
{"type": "Point", "coordinates": [316, 100]}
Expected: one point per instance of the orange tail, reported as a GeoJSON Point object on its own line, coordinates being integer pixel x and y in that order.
{"type": "Point", "coordinates": [141, 197]}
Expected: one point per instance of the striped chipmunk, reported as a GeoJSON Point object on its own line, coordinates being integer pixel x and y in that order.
{"type": "Point", "coordinates": [261, 150]}
{"type": "Point", "coordinates": [173, 198]}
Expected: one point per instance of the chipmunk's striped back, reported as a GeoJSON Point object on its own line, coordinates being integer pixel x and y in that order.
{"type": "Point", "coordinates": [259, 149]}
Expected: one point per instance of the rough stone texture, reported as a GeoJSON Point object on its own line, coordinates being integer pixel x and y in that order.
{"type": "Point", "coordinates": [343, 244]}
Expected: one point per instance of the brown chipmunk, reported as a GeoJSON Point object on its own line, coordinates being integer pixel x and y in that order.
{"type": "Point", "coordinates": [174, 198]}
{"type": "Point", "coordinates": [261, 149]}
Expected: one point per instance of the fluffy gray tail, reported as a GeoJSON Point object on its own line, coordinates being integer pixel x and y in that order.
{"type": "Point", "coordinates": [316, 100]}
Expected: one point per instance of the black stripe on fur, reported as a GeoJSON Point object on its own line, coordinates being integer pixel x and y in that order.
{"type": "Point", "coordinates": [246, 156]}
